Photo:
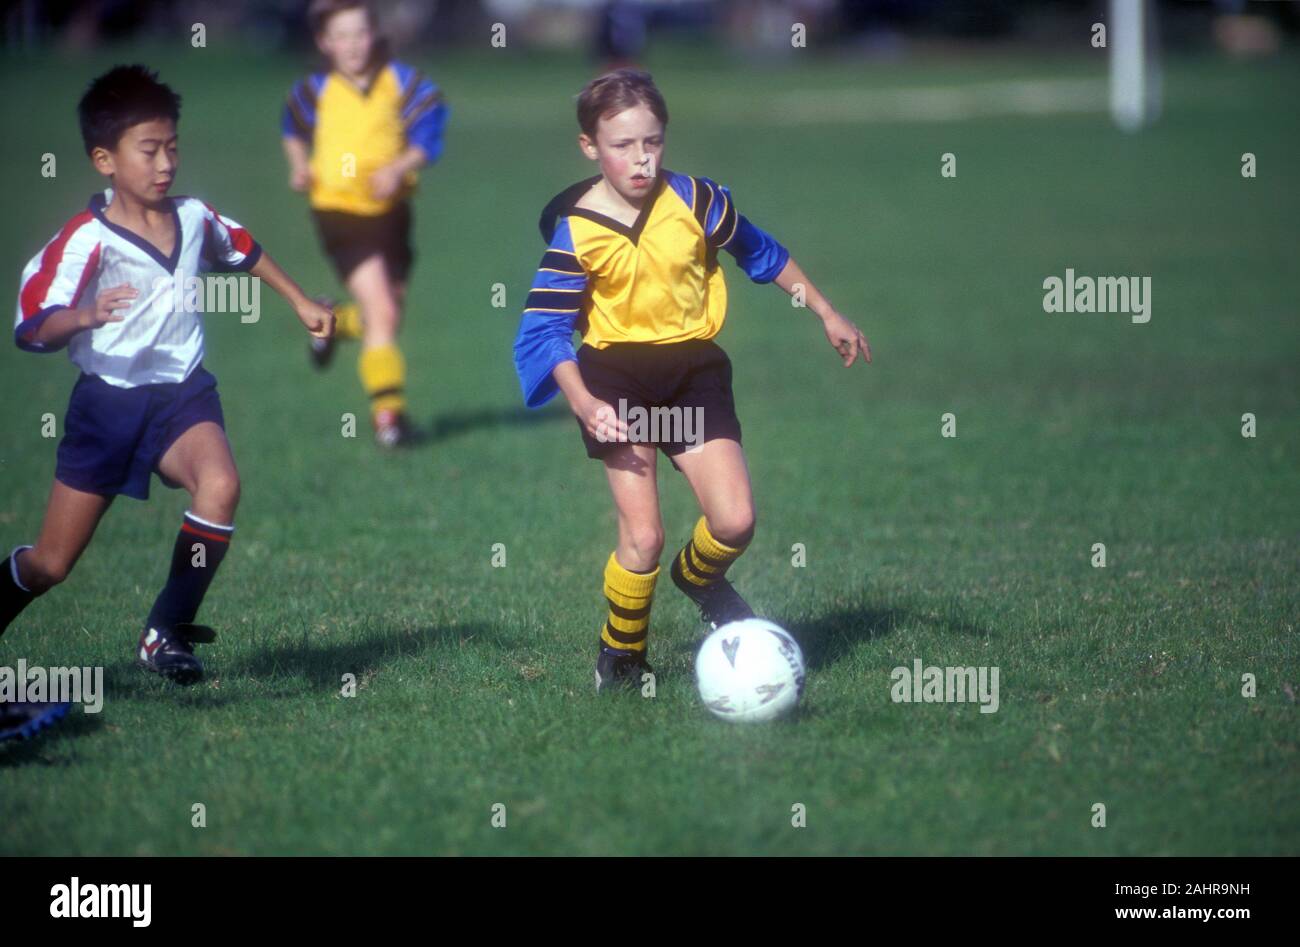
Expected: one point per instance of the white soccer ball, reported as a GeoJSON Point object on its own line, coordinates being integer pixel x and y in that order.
{"type": "Point", "coordinates": [749, 670]}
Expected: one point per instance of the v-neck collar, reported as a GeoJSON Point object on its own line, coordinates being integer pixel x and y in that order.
{"type": "Point", "coordinates": [374, 81]}
{"type": "Point", "coordinates": [633, 233]}
{"type": "Point", "coordinates": [97, 204]}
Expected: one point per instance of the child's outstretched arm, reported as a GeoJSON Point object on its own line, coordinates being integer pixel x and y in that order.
{"type": "Point", "coordinates": [234, 248]}
{"type": "Point", "coordinates": [764, 260]}
{"type": "Point", "coordinates": [318, 319]}
{"type": "Point", "coordinates": [843, 335]}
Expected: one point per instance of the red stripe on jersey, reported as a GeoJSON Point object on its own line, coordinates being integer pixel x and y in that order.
{"type": "Point", "coordinates": [86, 274]}
{"type": "Point", "coordinates": [33, 293]}
{"type": "Point", "coordinates": [240, 238]}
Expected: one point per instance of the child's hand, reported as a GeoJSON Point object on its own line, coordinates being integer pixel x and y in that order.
{"type": "Point", "coordinates": [318, 319]}
{"type": "Point", "coordinates": [106, 305]}
{"type": "Point", "coordinates": [846, 338]}
{"type": "Point", "coordinates": [385, 182]}
{"type": "Point", "coordinates": [300, 179]}
{"type": "Point", "coordinates": [601, 421]}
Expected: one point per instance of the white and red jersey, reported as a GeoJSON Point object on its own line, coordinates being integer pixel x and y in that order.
{"type": "Point", "coordinates": [157, 341]}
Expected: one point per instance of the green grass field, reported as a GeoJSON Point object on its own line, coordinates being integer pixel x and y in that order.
{"type": "Point", "coordinates": [1119, 685]}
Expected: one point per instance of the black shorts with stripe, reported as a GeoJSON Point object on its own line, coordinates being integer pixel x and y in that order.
{"type": "Point", "coordinates": [674, 395]}
{"type": "Point", "coordinates": [351, 239]}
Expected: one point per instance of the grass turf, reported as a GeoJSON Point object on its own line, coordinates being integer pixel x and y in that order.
{"type": "Point", "coordinates": [1118, 685]}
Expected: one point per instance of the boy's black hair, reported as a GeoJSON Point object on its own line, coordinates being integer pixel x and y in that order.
{"type": "Point", "coordinates": [122, 97]}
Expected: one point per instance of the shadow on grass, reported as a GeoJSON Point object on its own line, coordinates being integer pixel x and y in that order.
{"type": "Point", "coordinates": [75, 725]}
{"type": "Point", "coordinates": [318, 662]}
{"type": "Point", "coordinates": [825, 639]}
{"type": "Point", "coordinates": [444, 427]}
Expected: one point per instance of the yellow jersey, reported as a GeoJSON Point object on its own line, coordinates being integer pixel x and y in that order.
{"type": "Point", "coordinates": [353, 132]}
{"type": "Point", "coordinates": [657, 281]}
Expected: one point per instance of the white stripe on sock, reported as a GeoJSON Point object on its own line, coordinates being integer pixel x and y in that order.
{"type": "Point", "coordinates": [201, 521]}
{"type": "Point", "coordinates": [13, 568]}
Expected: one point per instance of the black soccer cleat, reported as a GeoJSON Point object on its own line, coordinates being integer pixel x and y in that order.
{"type": "Point", "coordinates": [22, 720]}
{"type": "Point", "coordinates": [171, 653]}
{"type": "Point", "coordinates": [620, 670]}
{"type": "Point", "coordinates": [392, 429]}
{"type": "Point", "coordinates": [322, 350]}
{"type": "Point", "coordinates": [719, 602]}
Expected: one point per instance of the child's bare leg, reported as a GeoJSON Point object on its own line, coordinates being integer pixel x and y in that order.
{"type": "Point", "coordinates": [718, 475]}
{"type": "Point", "coordinates": [633, 569]}
{"type": "Point", "coordinates": [382, 368]}
{"type": "Point", "coordinates": [201, 462]}
{"type": "Point", "coordinates": [376, 294]}
{"type": "Point", "coordinates": [71, 517]}
{"type": "Point", "coordinates": [70, 520]}
{"type": "Point", "coordinates": [631, 473]}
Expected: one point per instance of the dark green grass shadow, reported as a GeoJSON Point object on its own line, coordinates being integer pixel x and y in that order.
{"type": "Point", "coordinates": [320, 665]}
{"type": "Point", "coordinates": [825, 639]}
{"type": "Point", "coordinates": [445, 427]}
{"type": "Point", "coordinates": [31, 752]}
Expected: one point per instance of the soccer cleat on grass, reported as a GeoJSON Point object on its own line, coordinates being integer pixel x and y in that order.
{"type": "Point", "coordinates": [22, 720]}
{"type": "Point", "coordinates": [719, 602]}
{"type": "Point", "coordinates": [322, 350]}
{"type": "Point", "coordinates": [620, 669]}
{"type": "Point", "coordinates": [392, 429]}
{"type": "Point", "coordinates": [171, 653]}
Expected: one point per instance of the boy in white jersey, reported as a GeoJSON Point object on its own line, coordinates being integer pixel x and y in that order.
{"type": "Point", "coordinates": [105, 287]}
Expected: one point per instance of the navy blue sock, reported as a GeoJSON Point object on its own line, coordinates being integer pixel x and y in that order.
{"type": "Point", "coordinates": [13, 597]}
{"type": "Point", "coordinates": [200, 547]}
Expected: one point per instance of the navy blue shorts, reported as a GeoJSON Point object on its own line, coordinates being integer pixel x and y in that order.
{"type": "Point", "coordinates": [114, 437]}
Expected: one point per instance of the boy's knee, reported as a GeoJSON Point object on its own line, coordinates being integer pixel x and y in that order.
{"type": "Point", "coordinates": [735, 527]}
{"type": "Point", "coordinates": [41, 572]}
{"type": "Point", "coordinates": [647, 541]}
{"type": "Point", "coordinates": [219, 492]}
{"type": "Point", "coordinates": [381, 317]}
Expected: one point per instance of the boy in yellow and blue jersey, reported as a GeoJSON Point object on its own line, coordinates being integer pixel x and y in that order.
{"type": "Point", "coordinates": [632, 264]}
{"type": "Point", "coordinates": [355, 137]}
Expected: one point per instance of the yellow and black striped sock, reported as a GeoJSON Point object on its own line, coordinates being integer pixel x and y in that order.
{"type": "Point", "coordinates": [347, 321]}
{"type": "Point", "coordinates": [704, 560]}
{"type": "Point", "coordinates": [629, 595]}
{"type": "Point", "coordinates": [383, 375]}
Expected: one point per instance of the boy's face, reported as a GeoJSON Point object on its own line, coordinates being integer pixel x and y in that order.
{"type": "Point", "coordinates": [346, 41]}
{"type": "Point", "coordinates": [144, 162]}
{"type": "Point", "coordinates": [629, 147]}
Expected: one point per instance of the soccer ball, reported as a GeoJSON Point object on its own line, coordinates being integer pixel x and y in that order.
{"type": "Point", "coordinates": [749, 670]}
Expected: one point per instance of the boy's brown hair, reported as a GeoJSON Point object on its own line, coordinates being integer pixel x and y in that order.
{"type": "Point", "coordinates": [321, 11]}
{"type": "Point", "coordinates": [615, 91]}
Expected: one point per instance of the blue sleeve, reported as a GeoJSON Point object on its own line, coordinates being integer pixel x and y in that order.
{"type": "Point", "coordinates": [298, 120]}
{"type": "Point", "coordinates": [545, 337]}
{"type": "Point", "coordinates": [424, 111]}
{"type": "Point", "coordinates": [758, 252]}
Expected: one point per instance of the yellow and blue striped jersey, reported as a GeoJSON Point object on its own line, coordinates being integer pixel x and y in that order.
{"type": "Point", "coordinates": [353, 132]}
{"type": "Point", "coordinates": [657, 281]}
